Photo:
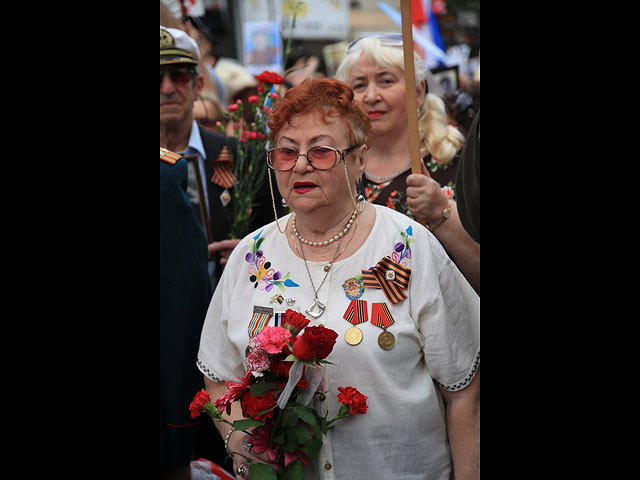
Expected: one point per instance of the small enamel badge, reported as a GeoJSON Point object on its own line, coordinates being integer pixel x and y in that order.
{"type": "Point", "coordinates": [353, 287]}
{"type": "Point", "coordinates": [225, 197]}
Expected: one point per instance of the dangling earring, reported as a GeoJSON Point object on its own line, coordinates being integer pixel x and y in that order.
{"type": "Point", "coordinates": [284, 203]}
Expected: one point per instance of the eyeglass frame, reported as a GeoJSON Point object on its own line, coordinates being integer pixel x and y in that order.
{"type": "Point", "coordinates": [182, 69]}
{"type": "Point", "coordinates": [382, 37]}
{"type": "Point", "coordinates": [340, 153]}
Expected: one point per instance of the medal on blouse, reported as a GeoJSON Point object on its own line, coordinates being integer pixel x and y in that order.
{"type": "Point", "coordinates": [381, 317]}
{"type": "Point", "coordinates": [356, 313]}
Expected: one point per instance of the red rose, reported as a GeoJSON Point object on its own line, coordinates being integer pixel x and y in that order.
{"type": "Point", "coordinates": [314, 343]}
{"type": "Point", "coordinates": [356, 401]}
{"type": "Point", "coordinates": [294, 321]}
{"type": "Point", "coordinates": [252, 406]}
{"type": "Point", "coordinates": [198, 402]}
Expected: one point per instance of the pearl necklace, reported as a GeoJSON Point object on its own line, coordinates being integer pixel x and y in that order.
{"type": "Point", "coordinates": [386, 178]}
{"type": "Point", "coordinates": [333, 239]}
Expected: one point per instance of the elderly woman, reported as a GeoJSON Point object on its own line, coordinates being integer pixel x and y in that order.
{"type": "Point", "coordinates": [414, 352]}
{"type": "Point", "coordinates": [374, 69]}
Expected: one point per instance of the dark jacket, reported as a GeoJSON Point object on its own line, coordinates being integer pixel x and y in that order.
{"type": "Point", "coordinates": [184, 300]}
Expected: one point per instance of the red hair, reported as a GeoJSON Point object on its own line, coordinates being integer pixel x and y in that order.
{"type": "Point", "coordinates": [326, 97]}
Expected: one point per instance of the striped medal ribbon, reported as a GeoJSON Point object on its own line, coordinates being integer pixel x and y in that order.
{"type": "Point", "coordinates": [381, 317]}
{"type": "Point", "coordinates": [356, 313]}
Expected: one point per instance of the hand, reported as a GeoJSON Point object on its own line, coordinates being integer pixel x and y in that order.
{"type": "Point", "coordinates": [225, 247]}
{"type": "Point", "coordinates": [237, 443]}
{"type": "Point", "coordinates": [425, 198]}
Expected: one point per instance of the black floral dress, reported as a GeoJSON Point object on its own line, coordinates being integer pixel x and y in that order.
{"type": "Point", "coordinates": [392, 193]}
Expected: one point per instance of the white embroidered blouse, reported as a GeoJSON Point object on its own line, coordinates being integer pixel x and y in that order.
{"type": "Point", "coordinates": [437, 343]}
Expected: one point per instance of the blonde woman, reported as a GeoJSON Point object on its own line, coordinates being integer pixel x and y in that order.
{"type": "Point", "coordinates": [374, 68]}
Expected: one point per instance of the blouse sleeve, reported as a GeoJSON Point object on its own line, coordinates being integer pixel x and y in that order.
{"type": "Point", "coordinates": [218, 358]}
{"type": "Point", "coordinates": [450, 324]}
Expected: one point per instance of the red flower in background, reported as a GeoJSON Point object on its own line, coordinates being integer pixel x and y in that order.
{"type": "Point", "coordinates": [269, 77]}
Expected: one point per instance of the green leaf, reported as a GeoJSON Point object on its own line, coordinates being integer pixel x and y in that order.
{"type": "Point", "coordinates": [262, 471]}
{"type": "Point", "coordinates": [289, 418]}
{"type": "Point", "coordinates": [322, 424]}
{"type": "Point", "coordinates": [301, 433]}
{"type": "Point", "coordinates": [305, 415]}
{"type": "Point", "coordinates": [294, 471]}
{"type": "Point", "coordinates": [246, 424]}
{"type": "Point", "coordinates": [261, 388]}
{"type": "Point", "coordinates": [312, 448]}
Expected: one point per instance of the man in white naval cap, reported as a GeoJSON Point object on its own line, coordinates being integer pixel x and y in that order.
{"type": "Point", "coordinates": [180, 84]}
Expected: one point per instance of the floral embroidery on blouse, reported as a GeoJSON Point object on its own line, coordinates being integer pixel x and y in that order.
{"type": "Point", "coordinates": [261, 274]}
{"type": "Point", "coordinates": [402, 250]}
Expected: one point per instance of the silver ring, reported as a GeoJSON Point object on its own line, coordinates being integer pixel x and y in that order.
{"type": "Point", "coordinates": [246, 445]}
{"type": "Point", "coordinates": [242, 469]}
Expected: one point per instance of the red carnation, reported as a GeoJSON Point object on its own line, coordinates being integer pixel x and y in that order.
{"type": "Point", "coordinates": [314, 343]}
{"type": "Point", "coordinates": [252, 406]}
{"type": "Point", "coordinates": [198, 403]}
{"type": "Point", "coordinates": [356, 401]}
{"type": "Point", "coordinates": [269, 77]}
{"type": "Point", "coordinates": [294, 321]}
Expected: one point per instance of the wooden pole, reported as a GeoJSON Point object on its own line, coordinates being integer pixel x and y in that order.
{"type": "Point", "coordinates": [410, 84]}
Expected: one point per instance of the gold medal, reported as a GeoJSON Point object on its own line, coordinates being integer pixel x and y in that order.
{"type": "Point", "coordinates": [353, 336]}
{"type": "Point", "coordinates": [386, 340]}
{"type": "Point", "coordinates": [381, 317]}
{"type": "Point", "coordinates": [356, 313]}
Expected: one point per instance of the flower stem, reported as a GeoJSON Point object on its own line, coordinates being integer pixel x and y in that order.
{"type": "Point", "coordinates": [275, 427]}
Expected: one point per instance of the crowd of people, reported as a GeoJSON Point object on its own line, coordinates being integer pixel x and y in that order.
{"type": "Point", "coordinates": [343, 200]}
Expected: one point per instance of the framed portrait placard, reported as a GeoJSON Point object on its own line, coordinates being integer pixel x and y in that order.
{"type": "Point", "coordinates": [195, 192]}
{"type": "Point", "coordinates": [447, 77]}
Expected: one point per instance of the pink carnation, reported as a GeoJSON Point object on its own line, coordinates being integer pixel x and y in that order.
{"type": "Point", "coordinates": [273, 339]}
{"type": "Point", "coordinates": [257, 362]}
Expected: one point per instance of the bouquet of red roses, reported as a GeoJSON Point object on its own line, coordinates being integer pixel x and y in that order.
{"type": "Point", "coordinates": [284, 372]}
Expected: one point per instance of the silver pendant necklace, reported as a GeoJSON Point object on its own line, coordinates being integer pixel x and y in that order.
{"type": "Point", "coordinates": [311, 310]}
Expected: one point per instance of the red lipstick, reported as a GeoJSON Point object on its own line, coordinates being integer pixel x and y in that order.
{"type": "Point", "coordinates": [303, 187]}
{"type": "Point", "coordinates": [375, 113]}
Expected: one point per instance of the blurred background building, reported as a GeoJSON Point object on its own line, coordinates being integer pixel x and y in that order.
{"type": "Point", "coordinates": [259, 31]}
